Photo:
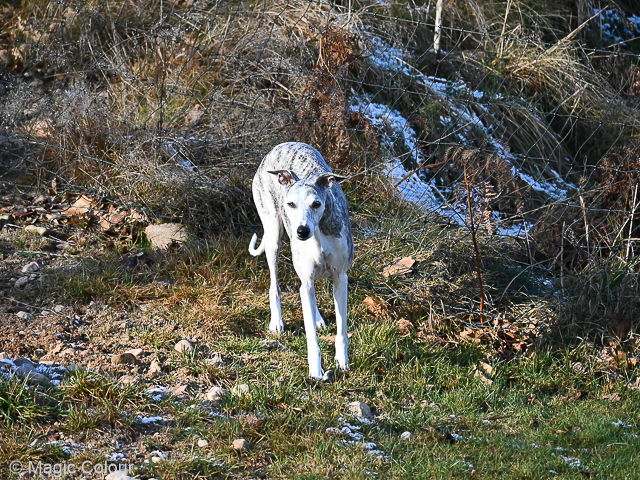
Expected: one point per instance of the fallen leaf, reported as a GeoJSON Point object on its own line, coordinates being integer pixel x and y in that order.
{"type": "Point", "coordinates": [620, 327]}
{"type": "Point", "coordinates": [400, 266]}
{"type": "Point", "coordinates": [374, 307]}
{"type": "Point", "coordinates": [486, 367]}
{"type": "Point", "coordinates": [483, 377]}
{"type": "Point", "coordinates": [332, 338]}
{"type": "Point", "coordinates": [404, 326]}
{"type": "Point", "coordinates": [81, 206]}
{"type": "Point", "coordinates": [579, 395]}
{"type": "Point", "coordinates": [194, 115]}
{"type": "Point", "coordinates": [612, 397]}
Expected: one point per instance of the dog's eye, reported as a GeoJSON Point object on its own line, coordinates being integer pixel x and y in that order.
{"type": "Point", "coordinates": [316, 204]}
{"type": "Point", "coordinates": [291, 204]}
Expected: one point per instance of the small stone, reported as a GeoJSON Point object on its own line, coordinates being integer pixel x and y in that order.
{"type": "Point", "coordinates": [406, 436]}
{"type": "Point", "coordinates": [119, 475]}
{"type": "Point", "coordinates": [272, 344]}
{"type": "Point", "coordinates": [359, 408]}
{"type": "Point", "coordinates": [24, 316]}
{"type": "Point", "coordinates": [241, 444]}
{"type": "Point", "coordinates": [241, 390]}
{"type": "Point", "coordinates": [183, 346]}
{"type": "Point", "coordinates": [18, 362]}
{"type": "Point", "coordinates": [24, 370]}
{"type": "Point", "coordinates": [154, 368]}
{"type": "Point", "coordinates": [21, 282]}
{"type": "Point", "coordinates": [252, 420]}
{"type": "Point", "coordinates": [216, 393]}
{"type": "Point", "coordinates": [136, 352]}
{"type": "Point", "coordinates": [41, 231]}
{"type": "Point", "coordinates": [216, 360]}
{"type": "Point", "coordinates": [163, 235]}
{"type": "Point", "coordinates": [202, 443]}
{"type": "Point", "coordinates": [329, 376]}
{"type": "Point", "coordinates": [35, 378]}
{"type": "Point", "coordinates": [129, 380]}
{"type": "Point", "coordinates": [31, 267]}
{"type": "Point", "coordinates": [156, 459]}
{"type": "Point", "coordinates": [123, 359]}
{"type": "Point", "coordinates": [58, 308]}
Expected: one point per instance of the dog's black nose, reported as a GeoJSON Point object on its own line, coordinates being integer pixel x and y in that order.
{"type": "Point", "coordinates": [303, 232]}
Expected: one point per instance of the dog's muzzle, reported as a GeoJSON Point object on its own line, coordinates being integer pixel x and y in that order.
{"type": "Point", "coordinates": [303, 232]}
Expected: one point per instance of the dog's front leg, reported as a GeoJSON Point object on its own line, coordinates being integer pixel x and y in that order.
{"type": "Point", "coordinates": [340, 293]}
{"type": "Point", "coordinates": [272, 250]}
{"type": "Point", "coordinates": [307, 298]}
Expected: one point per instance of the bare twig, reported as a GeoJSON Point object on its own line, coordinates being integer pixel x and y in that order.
{"type": "Point", "coordinates": [475, 245]}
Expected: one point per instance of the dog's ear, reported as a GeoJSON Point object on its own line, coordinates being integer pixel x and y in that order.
{"type": "Point", "coordinates": [285, 177]}
{"type": "Point", "coordinates": [327, 179]}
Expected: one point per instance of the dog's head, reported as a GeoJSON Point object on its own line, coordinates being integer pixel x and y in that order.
{"type": "Point", "coordinates": [305, 200]}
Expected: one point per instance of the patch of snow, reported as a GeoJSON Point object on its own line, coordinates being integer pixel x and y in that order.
{"type": "Point", "coordinates": [147, 420]}
{"type": "Point", "coordinates": [621, 424]}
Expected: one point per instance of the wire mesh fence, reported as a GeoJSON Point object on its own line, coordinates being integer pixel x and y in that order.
{"type": "Point", "coordinates": [521, 129]}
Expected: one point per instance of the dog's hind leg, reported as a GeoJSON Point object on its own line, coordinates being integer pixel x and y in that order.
{"type": "Point", "coordinates": [271, 242]}
{"type": "Point", "coordinates": [340, 294]}
{"type": "Point", "coordinates": [318, 318]}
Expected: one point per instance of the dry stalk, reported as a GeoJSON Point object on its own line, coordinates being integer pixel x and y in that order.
{"type": "Point", "coordinates": [475, 245]}
{"type": "Point", "coordinates": [633, 212]}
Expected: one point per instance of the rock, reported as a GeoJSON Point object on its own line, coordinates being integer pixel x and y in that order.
{"type": "Point", "coordinates": [31, 267]}
{"type": "Point", "coordinates": [183, 346]}
{"type": "Point", "coordinates": [163, 235]}
{"type": "Point", "coordinates": [406, 436]}
{"type": "Point", "coordinates": [241, 444]}
{"type": "Point", "coordinates": [24, 370]}
{"type": "Point", "coordinates": [18, 362]}
{"type": "Point", "coordinates": [58, 308]}
{"type": "Point", "coordinates": [216, 393]}
{"type": "Point", "coordinates": [202, 443]}
{"type": "Point", "coordinates": [241, 390]}
{"type": "Point", "coordinates": [128, 379]}
{"type": "Point", "coordinates": [272, 344]}
{"type": "Point", "coordinates": [156, 459]}
{"type": "Point", "coordinates": [154, 368]}
{"type": "Point", "coordinates": [251, 419]}
{"type": "Point", "coordinates": [136, 352]}
{"type": "Point", "coordinates": [21, 282]}
{"type": "Point", "coordinates": [329, 376]}
{"type": "Point", "coordinates": [216, 360]}
{"type": "Point", "coordinates": [359, 408]}
{"type": "Point", "coordinates": [120, 475]}
{"type": "Point", "coordinates": [41, 231]}
{"type": "Point", "coordinates": [123, 359]}
{"type": "Point", "coordinates": [25, 316]}
{"type": "Point", "coordinates": [35, 378]}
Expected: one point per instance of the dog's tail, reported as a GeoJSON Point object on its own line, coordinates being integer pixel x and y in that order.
{"type": "Point", "coordinates": [252, 246]}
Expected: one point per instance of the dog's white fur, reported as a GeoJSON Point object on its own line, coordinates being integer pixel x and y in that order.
{"type": "Point", "coordinates": [294, 189]}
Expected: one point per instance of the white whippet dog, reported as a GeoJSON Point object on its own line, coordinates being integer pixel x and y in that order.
{"type": "Point", "coordinates": [294, 188]}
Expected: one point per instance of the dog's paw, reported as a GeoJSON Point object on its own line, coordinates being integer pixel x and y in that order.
{"type": "Point", "coordinates": [276, 327]}
{"type": "Point", "coordinates": [343, 364]}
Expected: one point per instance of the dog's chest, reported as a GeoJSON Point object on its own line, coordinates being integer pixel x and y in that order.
{"type": "Point", "coordinates": [329, 254]}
